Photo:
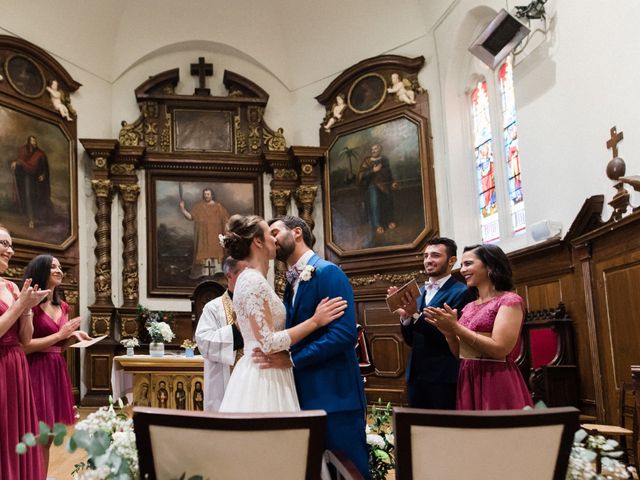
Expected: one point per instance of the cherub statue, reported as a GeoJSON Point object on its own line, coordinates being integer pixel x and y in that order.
{"type": "Point", "coordinates": [335, 114]}
{"type": "Point", "coordinates": [403, 89]}
{"type": "Point", "coordinates": [56, 98]}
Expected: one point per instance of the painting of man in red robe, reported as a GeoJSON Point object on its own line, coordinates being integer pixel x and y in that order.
{"type": "Point", "coordinates": [32, 187]}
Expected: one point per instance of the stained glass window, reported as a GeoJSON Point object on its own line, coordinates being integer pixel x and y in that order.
{"type": "Point", "coordinates": [511, 151]}
{"type": "Point", "coordinates": [482, 141]}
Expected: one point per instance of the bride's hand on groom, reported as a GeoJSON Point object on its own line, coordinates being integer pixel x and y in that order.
{"type": "Point", "coordinates": [274, 360]}
{"type": "Point", "coordinates": [328, 310]}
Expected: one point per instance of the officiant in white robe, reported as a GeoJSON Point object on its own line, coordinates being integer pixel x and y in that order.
{"type": "Point", "coordinates": [219, 339]}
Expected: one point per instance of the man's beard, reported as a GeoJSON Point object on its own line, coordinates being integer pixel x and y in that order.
{"type": "Point", "coordinates": [284, 250]}
{"type": "Point", "coordinates": [437, 272]}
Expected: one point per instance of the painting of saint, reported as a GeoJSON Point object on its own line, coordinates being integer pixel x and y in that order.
{"type": "Point", "coordinates": [187, 215]}
{"type": "Point", "coordinates": [37, 189]}
{"type": "Point", "coordinates": [207, 131]}
{"type": "Point", "coordinates": [375, 187]}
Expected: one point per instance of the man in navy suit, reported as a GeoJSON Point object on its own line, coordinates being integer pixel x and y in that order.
{"type": "Point", "coordinates": [432, 372]}
{"type": "Point", "coordinates": [325, 366]}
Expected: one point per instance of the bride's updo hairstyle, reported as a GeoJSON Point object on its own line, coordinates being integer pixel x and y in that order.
{"type": "Point", "coordinates": [241, 230]}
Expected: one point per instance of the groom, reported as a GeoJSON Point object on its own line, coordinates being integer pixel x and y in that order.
{"type": "Point", "coordinates": [325, 366]}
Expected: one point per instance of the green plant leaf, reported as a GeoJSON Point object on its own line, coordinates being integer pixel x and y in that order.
{"type": "Point", "coordinates": [29, 439]}
{"type": "Point", "coordinates": [72, 446]}
{"type": "Point", "coordinates": [21, 448]}
{"type": "Point", "coordinates": [43, 437]}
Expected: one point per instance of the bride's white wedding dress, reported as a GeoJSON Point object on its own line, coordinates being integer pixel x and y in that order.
{"type": "Point", "coordinates": [261, 319]}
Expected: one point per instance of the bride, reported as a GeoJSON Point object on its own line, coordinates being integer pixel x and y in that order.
{"type": "Point", "coordinates": [261, 318]}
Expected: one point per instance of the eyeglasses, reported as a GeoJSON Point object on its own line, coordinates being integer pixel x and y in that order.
{"type": "Point", "coordinates": [6, 244]}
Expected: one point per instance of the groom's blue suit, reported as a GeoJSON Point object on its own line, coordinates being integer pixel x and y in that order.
{"type": "Point", "coordinates": [326, 369]}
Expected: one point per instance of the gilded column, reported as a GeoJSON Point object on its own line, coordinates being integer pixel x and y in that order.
{"type": "Point", "coordinates": [305, 197]}
{"type": "Point", "coordinates": [102, 281]}
{"type": "Point", "coordinates": [280, 200]}
{"type": "Point", "coordinates": [129, 198]}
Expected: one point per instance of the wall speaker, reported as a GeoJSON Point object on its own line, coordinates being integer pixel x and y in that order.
{"type": "Point", "coordinates": [545, 230]}
{"type": "Point", "coordinates": [498, 39]}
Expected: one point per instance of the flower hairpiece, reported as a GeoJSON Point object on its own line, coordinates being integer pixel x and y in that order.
{"type": "Point", "coordinates": [222, 239]}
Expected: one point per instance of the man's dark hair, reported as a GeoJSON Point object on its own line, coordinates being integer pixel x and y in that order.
{"type": "Point", "coordinates": [292, 222]}
{"type": "Point", "coordinates": [450, 245]}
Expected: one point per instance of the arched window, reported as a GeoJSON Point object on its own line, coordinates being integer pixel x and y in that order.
{"type": "Point", "coordinates": [499, 189]}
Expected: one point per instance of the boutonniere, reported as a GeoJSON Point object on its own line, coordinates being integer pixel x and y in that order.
{"type": "Point", "coordinates": [307, 273]}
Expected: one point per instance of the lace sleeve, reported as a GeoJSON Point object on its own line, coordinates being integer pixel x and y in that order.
{"type": "Point", "coordinates": [253, 302]}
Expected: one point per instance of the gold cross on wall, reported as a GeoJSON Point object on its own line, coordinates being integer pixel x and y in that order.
{"type": "Point", "coordinates": [616, 138]}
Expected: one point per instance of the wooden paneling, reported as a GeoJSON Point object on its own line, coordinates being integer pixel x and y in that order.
{"type": "Point", "coordinates": [622, 297]}
{"type": "Point", "coordinates": [543, 295]}
{"type": "Point", "coordinates": [388, 352]}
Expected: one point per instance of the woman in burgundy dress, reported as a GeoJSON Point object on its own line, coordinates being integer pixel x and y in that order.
{"type": "Point", "coordinates": [489, 331]}
{"type": "Point", "coordinates": [52, 332]}
{"type": "Point", "coordinates": [17, 408]}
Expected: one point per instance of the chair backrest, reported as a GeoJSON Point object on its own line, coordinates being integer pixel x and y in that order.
{"type": "Point", "coordinates": [230, 446]}
{"type": "Point", "coordinates": [522, 444]}
{"type": "Point", "coordinates": [203, 293]}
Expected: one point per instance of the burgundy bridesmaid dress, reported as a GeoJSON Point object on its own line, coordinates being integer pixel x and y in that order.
{"type": "Point", "coordinates": [17, 409]}
{"type": "Point", "coordinates": [487, 384]}
{"type": "Point", "coordinates": [49, 375]}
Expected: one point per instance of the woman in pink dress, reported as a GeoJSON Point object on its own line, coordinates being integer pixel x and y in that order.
{"type": "Point", "coordinates": [52, 332]}
{"type": "Point", "coordinates": [489, 328]}
{"type": "Point", "coordinates": [17, 408]}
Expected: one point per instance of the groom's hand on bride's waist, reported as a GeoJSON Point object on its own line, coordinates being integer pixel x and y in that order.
{"type": "Point", "coordinates": [274, 360]}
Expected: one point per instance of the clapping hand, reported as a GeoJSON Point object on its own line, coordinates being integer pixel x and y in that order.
{"type": "Point", "coordinates": [69, 328]}
{"type": "Point", "coordinates": [80, 335]}
{"type": "Point", "coordinates": [444, 319]}
{"type": "Point", "coordinates": [31, 296]}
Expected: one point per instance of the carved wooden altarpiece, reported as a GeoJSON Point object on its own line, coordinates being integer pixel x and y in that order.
{"type": "Point", "coordinates": [379, 197]}
{"type": "Point", "coordinates": [34, 93]}
{"type": "Point", "coordinates": [183, 143]}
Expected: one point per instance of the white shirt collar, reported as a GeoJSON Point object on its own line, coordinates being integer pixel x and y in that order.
{"type": "Point", "coordinates": [303, 260]}
{"type": "Point", "coordinates": [439, 282]}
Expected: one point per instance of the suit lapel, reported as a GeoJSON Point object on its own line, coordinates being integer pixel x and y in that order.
{"type": "Point", "coordinates": [302, 287]}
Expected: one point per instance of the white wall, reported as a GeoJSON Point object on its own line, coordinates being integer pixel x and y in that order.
{"type": "Point", "coordinates": [569, 91]}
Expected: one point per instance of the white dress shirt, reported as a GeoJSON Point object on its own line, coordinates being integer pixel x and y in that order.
{"type": "Point", "coordinates": [300, 264]}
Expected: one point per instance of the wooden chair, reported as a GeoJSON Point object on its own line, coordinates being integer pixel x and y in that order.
{"type": "Point", "coordinates": [626, 432]}
{"type": "Point", "coordinates": [547, 359]}
{"type": "Point", "coordinates": [454, 445]}
{"type": "Point", "coordinates": [203, 293]}
{"type": "Point", "coordinates": [229, 446]}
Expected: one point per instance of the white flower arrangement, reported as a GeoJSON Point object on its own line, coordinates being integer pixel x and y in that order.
{"type": "Point", "coordinates": [588, 451]}
{"type": "Point", "coordinates": [130, 342]}
{"type": "Point", "coordinates": [160, 332]}
{"type": "Point", "coordinates": [222, 239]}
{"type": "Point", "coordinates": [307, 273]}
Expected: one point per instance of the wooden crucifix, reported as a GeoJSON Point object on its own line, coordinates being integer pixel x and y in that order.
{"type": "Point", "coordinates": [616, 138]}
{"type": "Point", "coordinates": [202, 70]}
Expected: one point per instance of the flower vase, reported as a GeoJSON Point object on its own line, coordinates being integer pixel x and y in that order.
{"type": "Point", "coordinates": [188, 352]}
{"type": "Point", "coordinates": [156, 349]}
{"type": "Point", "coordinates": [129, 351]}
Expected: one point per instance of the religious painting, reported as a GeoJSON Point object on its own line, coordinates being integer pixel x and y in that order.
{"type": "Point", "coordinates": [376, 186]}
{"type": "Point", "coordinates": [186, 213]}
{"type": "Point", "coordinates": [203, 131]}
{"type": "Point", "coordinates": [197, 394]}
{"type": "Point", "coordinates": [181, 393]}
{"type": "Point", "coordinates": [25, 76]}
{"type": "Point", "coordinates": [142, 391]}
{"type": "Point", "coordinates": [37, 187]}
{"type": "Point", "coordinates": [161, 393]}
{"type": "Point", "coordinates": [367, 93]}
